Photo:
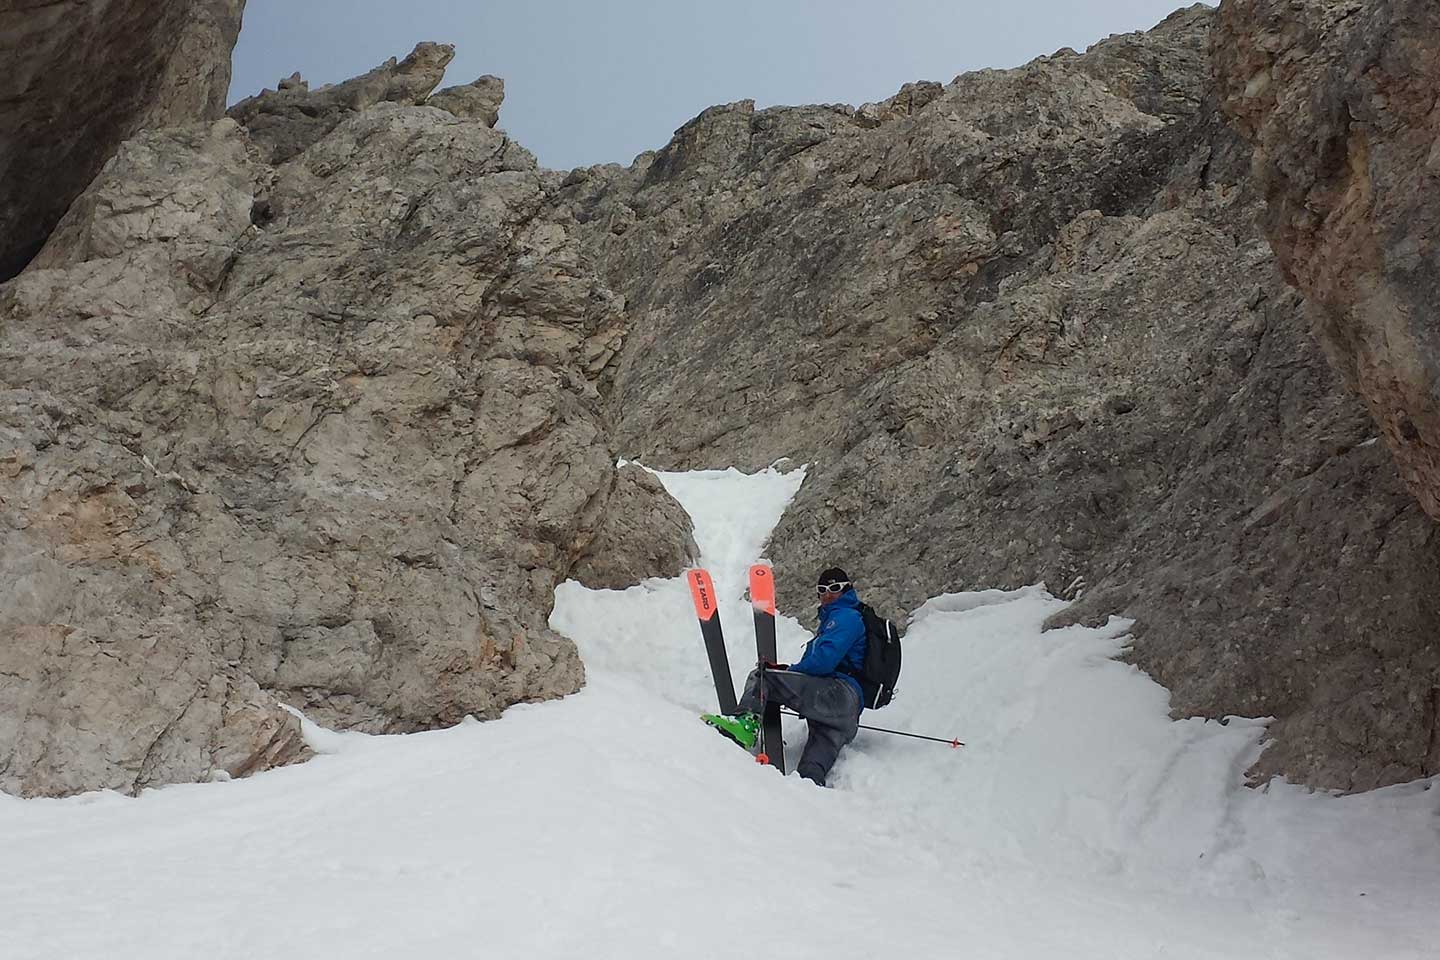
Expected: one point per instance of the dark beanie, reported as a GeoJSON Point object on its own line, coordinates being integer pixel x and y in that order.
{"type": "Point", "coordinates": [833, 575]}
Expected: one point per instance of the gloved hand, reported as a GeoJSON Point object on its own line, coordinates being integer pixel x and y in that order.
{"type": "Point", "coordinates": [777, 666]}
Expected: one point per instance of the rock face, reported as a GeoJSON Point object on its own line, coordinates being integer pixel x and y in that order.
{"type": "Point", "coordinates": [1024, 327]}
{"type": "Point", "coordinates": [286, 121]}
{"type": "Point", "coordinates": [1339, 102]}
{"type": "Point", "coordinates": [83, 75]}
{"type": "Point", "coordinates": [479, 100]}
{"type": "Point", "coordinates": [315, 404]}
{"type": "Point", "coordinates": [325, 434]}
{"type": "Point", "coordinates": [638, 538]}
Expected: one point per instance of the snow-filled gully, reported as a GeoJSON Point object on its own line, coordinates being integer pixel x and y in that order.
{"type": "Point", "coordinates": [1079, 821]}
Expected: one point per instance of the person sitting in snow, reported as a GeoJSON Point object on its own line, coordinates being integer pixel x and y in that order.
{"type": "Point", "coordinates": [822, 686]}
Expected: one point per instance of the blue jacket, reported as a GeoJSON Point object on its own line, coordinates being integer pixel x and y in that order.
{"type": "Point", "coordinates": [838, 650]}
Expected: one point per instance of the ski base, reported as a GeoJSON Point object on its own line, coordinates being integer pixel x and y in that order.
{"type": "Point", "coordinates": [762, 600]}
{"type": "Point", "coordinates": [707, 611]}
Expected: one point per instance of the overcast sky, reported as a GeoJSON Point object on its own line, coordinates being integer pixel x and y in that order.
{"type": "Point", "coordinates": [591, 81]}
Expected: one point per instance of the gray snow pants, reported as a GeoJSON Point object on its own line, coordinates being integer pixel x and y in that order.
{"type": "Point", "coordinates": [830, 706]}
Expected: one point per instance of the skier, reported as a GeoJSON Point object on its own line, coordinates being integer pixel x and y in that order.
{"type": "Point", "coordinates": [822, 686]}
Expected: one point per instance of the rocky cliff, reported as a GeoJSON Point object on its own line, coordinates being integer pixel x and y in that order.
{"type": "Point", "coordinates": [1024, 326]}
{"type": "Point", "coordinates": [316, 425]}
{"type": "Point", "coordinates": [80, 77]}
{"type": "Point", "coordinates": [1339, 102]}
{"type": "Point", "coordinates": [314, 405]}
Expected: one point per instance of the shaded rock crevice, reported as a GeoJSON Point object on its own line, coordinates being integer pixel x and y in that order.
{"type": "Point", "coordinates": [163, 62]}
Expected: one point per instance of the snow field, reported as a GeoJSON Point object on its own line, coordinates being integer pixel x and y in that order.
{"type": "Point", "coordinates": [1072, 764]}
{"type": "Point", "coordinates": [1078, 822]}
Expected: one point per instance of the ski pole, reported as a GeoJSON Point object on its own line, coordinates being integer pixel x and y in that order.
{"type": "Point", "coordinates": [898, 733]}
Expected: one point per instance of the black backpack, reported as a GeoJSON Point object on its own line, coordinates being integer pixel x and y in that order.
{"type": "Point", "coordinates": [882, 658]}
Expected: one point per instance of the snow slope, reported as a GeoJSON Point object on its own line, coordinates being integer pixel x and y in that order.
{"type": "Point", "coordinates": [1078, 821]}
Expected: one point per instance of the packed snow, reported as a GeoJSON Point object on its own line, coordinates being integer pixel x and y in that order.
{"type": "Point", "coordinates": [1078, 820]}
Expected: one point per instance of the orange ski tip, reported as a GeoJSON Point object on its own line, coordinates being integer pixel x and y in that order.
{"type": "Point", "coordinates": [762, 587]}
{"type": "Point", "coordinates": [762, 758]}
{"type": "Point", "coordinates": [702, 592]}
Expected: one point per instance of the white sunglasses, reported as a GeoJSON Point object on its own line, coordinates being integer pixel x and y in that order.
{"type": "Point", "coordinates": [837, 587]}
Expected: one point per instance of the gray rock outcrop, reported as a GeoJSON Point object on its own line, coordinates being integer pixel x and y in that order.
{"type": "Point", "coordinates": [1339, 102]}
{"type": "Point", "coordinates": [479, 100]}
{"type": "Point", "coordinates": [645, 534]}
{"type": "Point", "coordinates": [290, 119]}
{"type": "Point", "coordinates": [324, 434]}
{"type": "Point", "coordinates": [315, 404]}
{"type": "Point", "coordinates": [80, 77]}
{"type": "Point", "coordinates": [1024, 327]}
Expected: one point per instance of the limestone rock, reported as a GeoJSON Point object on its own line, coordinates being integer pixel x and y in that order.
{"type": "Point", "coordinates": [80, 77]}
{"type": "Point", "coordinates": [290, 119]}
{"type": "Point", "coordinates": [645, 534]}
{"type": "Point", "coordinates": [314, 405]}
{"type": "Point", "coordinates": [325, 434]}
{"type": "Point", "coordinates": [1030, 331]}
{"type": "Point", "coordinates": [479, 100]}
{"type": "Point", "coordinates": [1338, 100]}
{"type": "Point", "coordinates": [912, 98]}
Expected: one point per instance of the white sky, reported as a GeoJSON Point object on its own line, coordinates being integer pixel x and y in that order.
{"type": "Point", "coordinates": [589, 81]}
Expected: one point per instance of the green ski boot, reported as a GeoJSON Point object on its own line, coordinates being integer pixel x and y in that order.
{"type": "Point", "coordinates": [743, 729]}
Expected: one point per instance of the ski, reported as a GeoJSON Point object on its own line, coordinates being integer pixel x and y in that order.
{"type": "Point", "coordinates": [707, 610]}
{"type": "Point", "coordinates": [762, 599]}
